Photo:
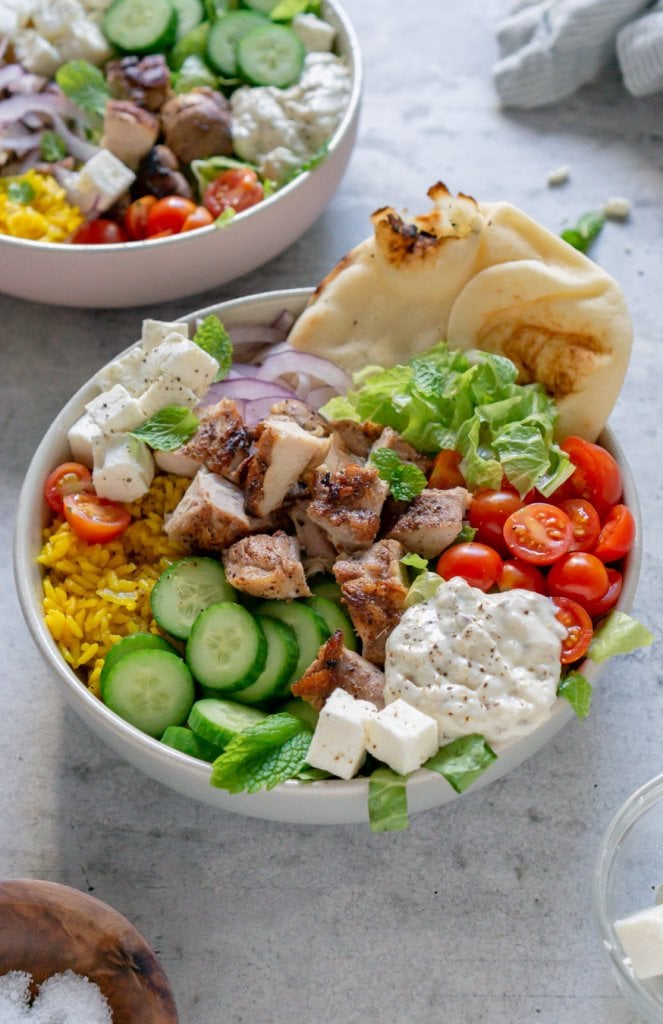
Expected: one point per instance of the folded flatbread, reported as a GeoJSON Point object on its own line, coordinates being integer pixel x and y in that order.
{"type": "Point", "coordinates": [477, 275]}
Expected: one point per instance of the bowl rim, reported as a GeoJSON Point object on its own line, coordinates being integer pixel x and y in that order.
{"type": "Point", "coordinates": [354, 58]}
{"type": "Point", "coordinates": [425, 789]}
{"type": "Point", "coordinates": [622, 821]}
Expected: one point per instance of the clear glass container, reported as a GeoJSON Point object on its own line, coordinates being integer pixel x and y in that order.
{"type": "Point", "coordinates": [627, 876]}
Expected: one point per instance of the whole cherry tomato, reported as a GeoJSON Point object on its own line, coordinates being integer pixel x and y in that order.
{"type": "Point", "coordinates": [168, 214]}
{"type": "Point", "coordinates": [578, 575]}
{"type": "Point", "coordinates": [446, 470]}
{"type": "Point", "coordinates": [521, 575]}
{"type": "Point", "coordinates": [617, 535]}
{"type": "Point", "coordinates": [488, 513]}
{"type": "Point", "coordinates": [579, 629]}
{"type": "Point", "coordinates": [585, 522]}
{"type": "Point", "coordinates": [100, 232]}
{"type": "Point", "coordinates": [538, 533]}
{"type": "Point", "coordinates": [597, 477]}
{"type": "Point", "coordinates": [476, 563]}
{"type": "Point", "coordinates": [94, 519]}
{"type": "Point", "coordinates": [67, 478]}
{"type": "Point", "coordinates": [236, 189]}
{"type": "Point", "coordinates": [135, 219]}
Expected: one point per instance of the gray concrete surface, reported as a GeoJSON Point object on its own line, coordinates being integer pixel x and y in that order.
{"type": "Point", "coordinates": [481, 912]}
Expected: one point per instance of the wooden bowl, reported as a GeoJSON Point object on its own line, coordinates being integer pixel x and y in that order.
{"type": "Point", "coordinates": [46, 929]}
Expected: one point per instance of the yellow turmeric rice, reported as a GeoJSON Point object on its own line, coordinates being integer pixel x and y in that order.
{"type": "Point", "coordinates": [94, 594]}
{"type": "Point", "coordinates": [36, 208]}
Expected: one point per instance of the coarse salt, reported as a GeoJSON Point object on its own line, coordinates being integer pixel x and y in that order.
{"type": "Point", "coordinates": [66, 998]}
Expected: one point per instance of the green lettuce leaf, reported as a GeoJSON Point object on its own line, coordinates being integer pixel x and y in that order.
{"type": "Point", "coordinates": [619, 633]}
{"type": "Point", "coordinates": [577, 691]}
{"type": "Point", "coordinates": [85, 85]}
{"type": "Point", "coordinates": [265, 754]}
{"type": "Point", "coordinates": [462, 761]}
{"type": "Point", "coordinates": [417, 563]}
{"type": "Point", "coordinates": [286, 10]}
{"type": "Point", "coordinates": [205, 171]}
{"type": "Point", "coordinates": [404, 478]}
{"type": "Point", "coordinates": [168, 429]}
{"type": "Point", "coordinates": [214, 339]}
{"type": "Point", "coordinates": [387, 801]}
{"type": "Point", "coordinates": [52, 147]}
{"type": "Point", "coordinates": [424, 586]}
{"type": "Point", "coordinates": [585, 230]}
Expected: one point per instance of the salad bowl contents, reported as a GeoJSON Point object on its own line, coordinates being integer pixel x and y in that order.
{"type": "Point", "coordinates": [202, 139]}
{"type": "Point", "coordinates": [332, 595]}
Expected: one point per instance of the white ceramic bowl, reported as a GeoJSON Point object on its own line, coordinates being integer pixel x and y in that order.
{"type": "Point", "coordinates": [629, 869]}
{"type": "Point", "coordinates": [169, 268]}
{"type": "Point", "coordinates": [328, 802]}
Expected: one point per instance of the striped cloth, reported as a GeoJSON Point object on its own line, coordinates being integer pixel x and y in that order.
{"type": "Point", "coordinates": [549, 48]}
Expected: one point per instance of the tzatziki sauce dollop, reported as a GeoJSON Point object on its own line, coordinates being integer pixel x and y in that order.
{"type": "Point", "coordinates": [477, 663]}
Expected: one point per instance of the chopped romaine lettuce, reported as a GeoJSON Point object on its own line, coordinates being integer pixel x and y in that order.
{"type": "Point", "coordinates": [387, 801]}
{"type": "Point", "coordinates": [577, 691]}
{"type": "Point", "coordinates": [214, 339]}
{"type": "Point", "coordinates": [424, 586]}
{"type": "Point", "coordinates": [619, 633]}
{"type": "Point", "coordinates": [462, 761]}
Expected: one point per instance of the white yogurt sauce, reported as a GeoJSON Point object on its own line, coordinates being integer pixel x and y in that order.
{"type": "Point", "coordinates": [477, 663]}
{"type": "Point", "coordinates": [279, 129]}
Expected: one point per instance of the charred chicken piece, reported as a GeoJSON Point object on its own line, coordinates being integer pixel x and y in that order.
{"type": "Point", "coordinates": [159, 175]}
{"type": "Point", "coordinates": [267, 565]}
{"type": "Point", "coordinates": [129, 131]}
{"type": "Point", "coordinates": [347, 505]}
{"type": "Point", "coordinates": [337, 667]}
{"type": "Point", "coordinates": [143, 80]}
{"type": "Point", "coordinates": [432, 521]}
{"type": "Point", "coordinates": [302, 415]}
{"type": "Point", "coordinates": [284, 452]}
{"type": "Point", "coordinates": [222, 442]}
{"type": "Point", "coordinates": [197, 124]}
{"type": "Point", "coordinates": [319, 552]}
{"type": "Point", "coordinates": [357, 438]}
{"type": "Point", "coordinates": [210, 516]}
{"type": "Point", "coordinates": [373, 588]}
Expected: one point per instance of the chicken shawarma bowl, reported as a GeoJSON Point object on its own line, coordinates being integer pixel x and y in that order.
{"type": "Point", "coordinates": [292, 587]}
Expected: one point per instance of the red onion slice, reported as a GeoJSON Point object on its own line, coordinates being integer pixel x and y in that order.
{"type": "Point", "coordinates": [249, 389]}
{"type": "Point", "coordinates": [258, 410]}
{"type": "Point", "coordinates": [17, 107]}
{"type": "Point", "coordinates": [255, 334]}
{"type": "Point", "coordinates": [295, 362]}
{"type": "Point", "coordinates": [319, 396]}
{"type": "Point", "coordinates": [284, 321]}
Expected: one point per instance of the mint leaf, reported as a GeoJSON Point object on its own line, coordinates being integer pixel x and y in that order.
{"type": "Point", "coordinates": [619, 633]}
{"type": "Point", "coordinates": [462, 761]}
{"type": "Point", "coordinates": [85, 85]}
{"type": "Point", "coordinates": [214, 339]}
{"type": "Point", "coordinates": [387, 801]}
{"type": "Point", "coordinates": [52, 147]}
{"type": "Point", "coordinates": [263, 755]}
{"type": "Point", "coordinates": [578, 691]}
{"type": "Point", "coordinates": [583, 233]}
{"type": "Point", "coordinates": [167, 429]}
{"type": "Point", "coordinates": [20, 191]}
{"type": "Point", "coordinates": [404, 478]}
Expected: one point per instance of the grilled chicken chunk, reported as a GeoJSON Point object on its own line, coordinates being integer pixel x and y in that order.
{"type": "Point", "coordinates": [211, 515]}
{"type": "Point", "coordinates": [300, 412]}
{"type": "Point", "coordinates": [319, 552]}
{"type": "Point", "coordinates": [266, 565]}
{"type": "Point", "coordinates": [358, 438]}
{"type": "Point", "coordinates": [222, 441]}
{"type": "Point", "coordinates": [337, 667]}
{"type": "Point", "coordinates": [374, 587]}
{"type": "Point", "coordinates": [392, 439]}
{"type": "Point", "coordinates": [432, 521]}
{"type": "Point", "coordinates": [284, 451]}
{"type": "Point", "coordinates": [347, 505]}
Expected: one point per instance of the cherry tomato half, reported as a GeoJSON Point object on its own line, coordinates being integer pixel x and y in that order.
{"type": "Point", "coordinates": [488, 513]}
{"type": "Point", "coordinates": [69, 478]}
{"type": "Point", "coordinates": [585, 522]}
{"type": "Point", "coordinates": [597, 476]}
{"type": "Point", "coordinates": [135, 219]}
{"type": "Point", "coordinates": [446, 470]}
{"type": "Point", "coordinates": [610, 598]}
{"type": "Point", "coordinates": [617, 536]}
{"type": "Point", "coordinates": [99, 232]}
{"type": "Point", "coordinates": [579, 629]}
{"type": "Point", "coordinates": [200, 218]}
{"type": "Point", "coordinates": [168, 214]}
{"type": "Point", "coordinates": [578, 575]}
{"type": "Point", "coordinates": [95, 520]}
{"type": "Point", "coordinates": [517, 575]}
{"type": "Point", "coordinates": [538, 533]}
{"type": "Point", "coordinates": [237, 189]}
{"type": "Point", "coordinates": [478, 564]}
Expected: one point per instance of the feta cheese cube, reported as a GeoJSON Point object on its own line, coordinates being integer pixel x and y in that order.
{"type": "Point", "coordinates": [617, 208]}
{"type": "Point", "coordinates": [176, 462]}
{"type": "Point", "coordinates": [81, 438]}
{"type": "Point", "coordinates": [185, 360]}
{"type": "Point", "coordinates": [115, 411]}
{"type": "Point", "coordinates": [123, 468]}
{"type": "Point", "coordinates": [338, 745]}
{"type": "Point", "coordinates": [315, 33]}
{"type": "Point", "coordinates": [156, 331]}
{"type": "Point", "coordinates": [35, 53]}
{"type": "Point", "coordinates": [129, 370]}
{"type": "Point", "coordinates": [101, 182]}
{"type": "Point", "coordinates": [641, 935]}
{"type": "Point", "coordinates": [166, 390]}
{"type": "Point", "coordinates": [402, 736]}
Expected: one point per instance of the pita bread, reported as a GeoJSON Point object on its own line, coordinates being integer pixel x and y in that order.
{"type": "Point", "coordinates": [478, 275]}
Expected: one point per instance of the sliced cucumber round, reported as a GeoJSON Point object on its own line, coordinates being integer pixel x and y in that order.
{"type": "Point", "coordinates": [184, 590]}
{"type": "Point", "coordinates": [334, 618]}
{"type": "Point", "coordinates": [219, 721]}
{"type": "Point", "coordinates": [151, 690]}
{"type": "Point", "coordinates": [225, 35]}
{"type": "Point", "coordinates": [189, 14]}
{"type": "Point", "coordinates": [226, 650]}
{"type": "Point", "coordinates": [309, 629]}
{"type": "Point", "coordinates": [299, 708]}
{"type": "Point", "coordinates": [325, 586]}
{"type": "Point", "coordinates": [140, 26]}
{"type": "Point", "coordinates": [181, 738]}
{"type": "Point", "coordinates": [282, 656]}
{"type": "Point", "coordinates": [271, 55]}
{"type": "Point", "coordinates": [129, 644]}
{"type": "Point", "coordinates": [262, 6]}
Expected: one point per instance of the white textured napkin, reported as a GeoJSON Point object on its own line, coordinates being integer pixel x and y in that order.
{"type": "Point", "coordinates": [549, 48]}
